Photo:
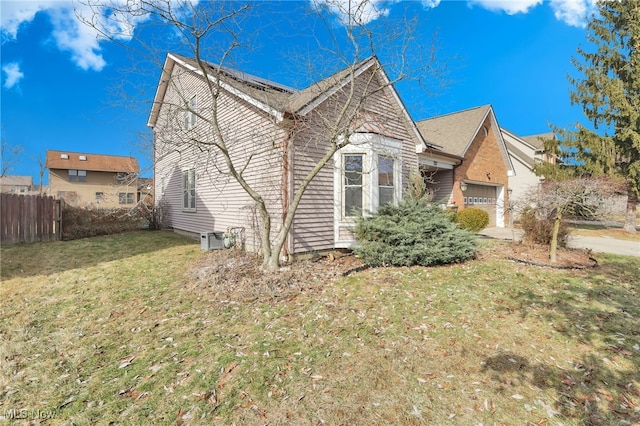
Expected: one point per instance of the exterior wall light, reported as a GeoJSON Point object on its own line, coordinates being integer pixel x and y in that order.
{"type": "Point", "coordinates": [463, 186]}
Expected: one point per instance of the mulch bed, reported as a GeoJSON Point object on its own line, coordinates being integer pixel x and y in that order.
{"type": "Point", "coordinates": [232, 276]}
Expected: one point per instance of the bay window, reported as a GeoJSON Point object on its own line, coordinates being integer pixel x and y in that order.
{"type": "Point", "coordinates": [367, 175]}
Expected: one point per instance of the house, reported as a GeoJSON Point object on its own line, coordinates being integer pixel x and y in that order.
{"type": "Point", "coordinates": [93, 180]}
{"type": "Point", "coordinates": [275, 135]}
{"type": "Point", "coordinates": [145, 191]}
{"type": "Point", "coordinates": [525, 152]}
{"type": "Point", "coordinates": [16, 184]}
{"type": "Point", "coordinates": [476, 170]}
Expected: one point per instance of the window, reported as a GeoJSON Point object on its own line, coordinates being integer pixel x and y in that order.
{"type": "Point", "coordinates": [352, 185]}
{"type": "Point", "coordinates": [77, 175]}
{"type": "Point", "coordinates": [367, 175]}
{"type": "Point", "coordinates": [121, 177]}
{"type": "Point", "coordinates": [189, 189]}
{"type": "Point", "coordinates": [125, 197]}
{"type": "Point", "coordinates": [190, 113]}
{"type": "Point", "coordinates": [386, 191]}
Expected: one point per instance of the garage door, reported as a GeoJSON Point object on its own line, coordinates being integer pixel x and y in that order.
{"type": "Point", "coordinates": [482, 197]}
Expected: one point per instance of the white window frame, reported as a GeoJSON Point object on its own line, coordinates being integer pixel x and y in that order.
{"type": "Point", "coordinates": [346, 214]}
{"type": "Point", "coordinates": [189, 190]}
{"type": "Point", "coordinates": [371, 146]}
{"type": "Point", "coordinates": [190, 117]}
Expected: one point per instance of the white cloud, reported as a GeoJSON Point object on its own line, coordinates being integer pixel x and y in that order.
{"type": "Point", "coordinates": [15, 13]}
{"type": "Point", "coordinates": [573, 12]}
{"type": "Point", "coordinates": [510, 7]}
{"type": "Point", "coordinates": [430, 4]}
{"type": "Point", "coordinates": [13, 74]}
{"type": "Point", "coordinates": [70, 35]}
{"type": "Point", "coordinates": [359, 11]}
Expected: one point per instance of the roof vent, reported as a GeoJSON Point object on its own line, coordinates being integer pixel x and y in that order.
{"type": "Point", "coordinates": [83, 158]}
{"type": "Point", "coordinates": [64, 156]}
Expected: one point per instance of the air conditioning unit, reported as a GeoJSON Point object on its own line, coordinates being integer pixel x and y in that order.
{"type": "Point", "coordinates": [211, 241]}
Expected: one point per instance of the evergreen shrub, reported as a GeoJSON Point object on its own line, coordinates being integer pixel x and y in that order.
{"type": "Point", "coordinates": [472, 219]}
{"type": "Point", "coordinates": [412, 233]}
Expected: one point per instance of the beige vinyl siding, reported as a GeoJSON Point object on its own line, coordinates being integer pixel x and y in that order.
{"type": "Point", "coordinates": [83, 194]}
{"type": "Point", "coordinates": [254, 146]}
{"type": "Point", "coordinates": [442, 186]}
{"type": "Point", "coordinates": [314, 221]}
{"type": "Point", "coordinates": [313, 224]}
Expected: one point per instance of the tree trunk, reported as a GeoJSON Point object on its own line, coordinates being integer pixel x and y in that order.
{"type": "Point", "coordinates": [630, 217]}
{"type": "Point", "coordinates": [554, 239]}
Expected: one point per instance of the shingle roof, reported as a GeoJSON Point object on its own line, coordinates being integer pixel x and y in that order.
{"type": "Point", "coordinates": [453, 132]}
{"type": "Point", "coordinates": [302, 98]}
{"type": "Point", "coordinates": [273, 94]}
{"type": "Point", "coordinates": [518, 153]}
{"type": "Point", "coordinates": [276, 95]}
{"type": "Point", "coordinates": [94, 162]}
{"type": "Point", "coordinates": [537, 141]}
{"type": "Point", "coordinates": [16, 180]}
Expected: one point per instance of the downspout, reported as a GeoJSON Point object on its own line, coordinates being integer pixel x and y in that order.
{"type": "Point", "coordinates": [286, 179]}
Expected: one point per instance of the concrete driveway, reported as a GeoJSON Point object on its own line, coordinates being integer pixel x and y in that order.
{"type": "Point", "coordinates": [596, 244]}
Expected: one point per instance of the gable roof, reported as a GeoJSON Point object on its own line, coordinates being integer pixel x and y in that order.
{"type": "Point", "coordinates": [454, 132]}
{"type": "Point", "coordinates": [306, 99]}
{"type": "Point", "coordinates": [537, 141]}
{"type": "Point", "coordinates": [515, 151]}
{"type": "Point", "coordinates": [92, 162]}
{"type": "Point", "coordinates": [274, 98]}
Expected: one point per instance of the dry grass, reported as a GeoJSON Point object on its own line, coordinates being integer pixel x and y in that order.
{"type": "Point", "coordinates": [617, 233]}
{"type": "Point", "coordinates": [116, 330]}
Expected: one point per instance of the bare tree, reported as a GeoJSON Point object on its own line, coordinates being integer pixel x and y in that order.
{"type": "Point", "coordinates": [559, 200]}
{"type": "Point", "coordinates": [212, 33]}
{"type": "Point", "coordinates": [42, 167]}
{"type": "Point", "coordinates": [9, 156]}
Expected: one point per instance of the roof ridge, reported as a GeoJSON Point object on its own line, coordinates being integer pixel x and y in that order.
{"type": "Point", "coordinates": [455, 112]}
{"type": "Point", "coordinates": [89, 153]}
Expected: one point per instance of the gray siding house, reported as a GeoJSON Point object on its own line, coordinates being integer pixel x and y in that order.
{"type": "Point", "coordinates": [275, 135]}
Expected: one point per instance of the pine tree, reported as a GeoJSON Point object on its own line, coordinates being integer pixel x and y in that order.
{"type": "Point", "coordinates": [609, 95]}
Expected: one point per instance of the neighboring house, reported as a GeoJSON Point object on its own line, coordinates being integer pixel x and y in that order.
{"type": "Point", "coordinates": [16, 184]}
{"type": "Point", "coordinates": [275, 136]}
{"type": "Point", "coordinates": [477, 171]}
{"type": "Point", "coordinates": [525, 152]}
{"type": "Point", "coordinates": [145, 191]}
{"type": "Point", "coordinates": [82, 179]}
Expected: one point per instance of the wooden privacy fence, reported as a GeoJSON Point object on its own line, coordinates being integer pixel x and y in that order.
{"type": "Point", "coordinates": [29, 218]}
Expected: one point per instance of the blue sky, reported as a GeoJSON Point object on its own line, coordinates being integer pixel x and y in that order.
{"type": "Point", "coordinates": [59, 83]}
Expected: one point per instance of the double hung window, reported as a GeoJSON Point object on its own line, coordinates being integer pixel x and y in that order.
{"type": "Point", "coordinates": [189, 189]}
{"type": "Point", "coordinates": [77, 175]}
{"type": "Point", "coordinates": [190, 113]}
{"type": "Point", "coordinates": [386, 182]}
{"type": "Point", "coordinates": [125, 197]}
{"type": "Point", "coordinates": [353, 185]}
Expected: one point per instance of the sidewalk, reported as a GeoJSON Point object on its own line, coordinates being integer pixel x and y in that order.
{"type": "Point", "coordinates": [596, 244]}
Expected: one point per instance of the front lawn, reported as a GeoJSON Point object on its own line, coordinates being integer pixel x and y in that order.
{"type": "Point", "coordinates": [110, 330]}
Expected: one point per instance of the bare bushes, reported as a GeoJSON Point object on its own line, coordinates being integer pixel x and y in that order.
{"type": "Point", "coordinates": [78, 222]}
